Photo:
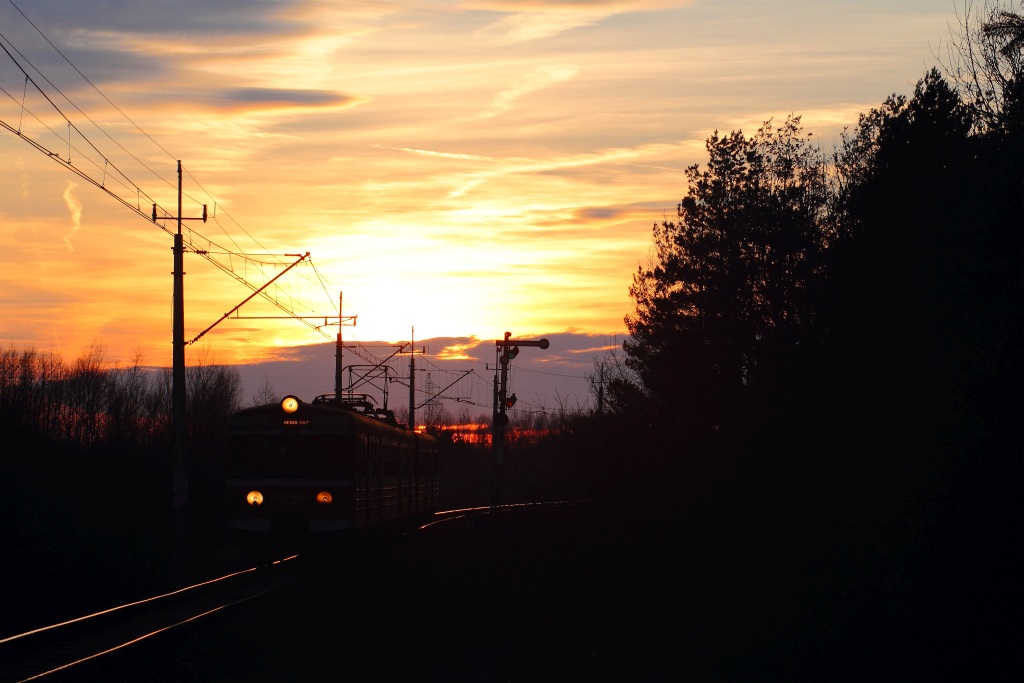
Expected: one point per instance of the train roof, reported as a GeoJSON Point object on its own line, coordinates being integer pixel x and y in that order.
{"type": "Point", "coordinates": [326, 413]}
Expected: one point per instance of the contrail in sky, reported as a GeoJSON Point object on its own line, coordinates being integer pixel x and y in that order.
{"type": "Point", "coordinates": [75, 207]}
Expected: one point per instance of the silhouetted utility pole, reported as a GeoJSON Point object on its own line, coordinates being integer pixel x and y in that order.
{"type": "Point", "coordinates": [412, 378]}
{"type": "Point", "coordinates": [338, 367]}
{"type": "Point", "coordinates": [179, 474]}
{"type": "Point", "coordinates": [506, 349]}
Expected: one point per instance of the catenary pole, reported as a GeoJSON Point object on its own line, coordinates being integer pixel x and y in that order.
{"type": "Point", "coordinates": [180, 462]}
{"type": "Point", "coordinates": [412, 378]}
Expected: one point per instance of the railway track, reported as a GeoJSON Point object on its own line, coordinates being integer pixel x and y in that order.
{"type": "Point", "coordinates": [72, 648]}
{"type": "Point", "coordinates": [52, 650]}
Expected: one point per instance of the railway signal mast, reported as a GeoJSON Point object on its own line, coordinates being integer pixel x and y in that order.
{"type": "Point", "coordinates": [507, 349]}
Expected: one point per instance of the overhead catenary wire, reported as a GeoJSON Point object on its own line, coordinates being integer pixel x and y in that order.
{"type": "Point", "coordinates": [87, 159]}
{"type": "Point", "coordinates": [92, 165]}
{"type": "Point", "coordinates": [86, 79]}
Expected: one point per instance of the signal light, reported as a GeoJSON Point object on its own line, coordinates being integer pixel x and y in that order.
{"type": "Point", "coordinates": [513, 351]}
{"type": "Point", "coordinates": [510, 401]}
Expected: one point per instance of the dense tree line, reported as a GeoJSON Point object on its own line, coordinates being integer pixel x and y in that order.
{"type": "Point", "coordinates": [890, 266]}
{"type": "Point", "coordinates": [109, 414]}
{"type": "Point", "coordinates": [780, 253]}
{"type": "Point", "coordinates": [85, 477]}
{"type": "Point", "coordinates": [825, 352]}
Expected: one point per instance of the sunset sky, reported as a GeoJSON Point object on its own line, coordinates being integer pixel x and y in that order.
{"type": "Point", "coordinates": [462, 168]}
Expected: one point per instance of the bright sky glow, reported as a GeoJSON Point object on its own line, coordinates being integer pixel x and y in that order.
{"type": "Point", "coordinates": [458, 167]}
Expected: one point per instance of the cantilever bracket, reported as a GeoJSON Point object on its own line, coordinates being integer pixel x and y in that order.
{"type": "Point", "coordinates": [301, 258]}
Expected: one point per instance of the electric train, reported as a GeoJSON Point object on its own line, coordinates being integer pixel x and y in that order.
{"type": "Point", "coordinates": [331, 466]}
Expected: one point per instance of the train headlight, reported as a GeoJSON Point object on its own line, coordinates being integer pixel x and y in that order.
{"type": "Point", "coordinates": [324, 498]}
{"type": "Point", "coordinates": [290, 404]}
{"type": "Point", "coordinates": [254, 498]}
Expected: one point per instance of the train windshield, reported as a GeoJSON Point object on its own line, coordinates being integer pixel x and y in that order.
{"type": "Point", "coordinates": [289, 455]}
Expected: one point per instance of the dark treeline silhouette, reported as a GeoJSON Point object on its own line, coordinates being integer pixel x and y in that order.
{"type": "Point", "coordinates": [85, 477]}
{"type": "Point", "coordinates": [109, 414]}
{"type": "Point", "coordinates": [824, 369]}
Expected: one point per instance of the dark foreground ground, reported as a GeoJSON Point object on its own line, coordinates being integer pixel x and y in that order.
{"type": "Point", "coordinates": [521, 596]}
{"type": "Point", "coordinates": [707, 581]}
{"type": "Point", "coordinates": [536, 593]}
{"type": "Point", "coordinates": [566, 593]}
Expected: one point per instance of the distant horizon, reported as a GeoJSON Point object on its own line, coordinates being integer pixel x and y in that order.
{"type": "Point", "coordinates": [545, 380]}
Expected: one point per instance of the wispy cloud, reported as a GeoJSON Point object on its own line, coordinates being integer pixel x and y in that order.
{"type": "Point", "coordinates": [538, 19]}
{"type": "Point", "coordinates": [537, 79]}
{"type": "Point", "coordinates": [528, 26]}
{"type": "Point", "coordinates": [440, 155]}
{"type": "Point", "coordinates": [75, 208]}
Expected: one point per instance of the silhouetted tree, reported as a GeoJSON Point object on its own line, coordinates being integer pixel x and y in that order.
{"type": "Point", "coordinates": [85, 400]}
{"type": "Point", "coordinates": [905, 206]}
{"type": "Point", "coordinates": [126, 399]}
{"type": "Point", "coordinates": [434, 415]}
{"type": "Point", "coordinates": [213, 394]}
{"type": "Point", "coordinates": [265, 394]}
{"type": "Point", "coordinates": [985, 59]}
{"type": "Point", "coordinates": [158, 407]}
{"type": "Point", "coordinates": [925, 279]}
{"type": "Point", "coordinates": [731, 292]}
{"type": "Point", "coordinates": [47, 390]}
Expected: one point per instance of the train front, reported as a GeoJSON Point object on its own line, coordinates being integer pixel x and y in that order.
{"type": "Point", "coordinates": [291, 469]}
